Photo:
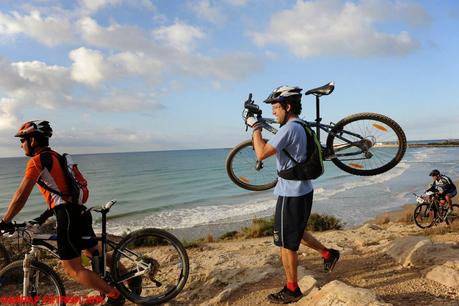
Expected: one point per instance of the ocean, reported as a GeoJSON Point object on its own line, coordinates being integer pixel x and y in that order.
{"type": "Point", "coordinates": [190, 193]}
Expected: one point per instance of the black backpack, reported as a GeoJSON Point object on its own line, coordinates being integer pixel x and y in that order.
{"type": "Point", "coordinates": [313, 166]}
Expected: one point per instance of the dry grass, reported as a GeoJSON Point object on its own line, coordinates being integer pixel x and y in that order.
{"type": "Point", "coordinates": [442, 229]}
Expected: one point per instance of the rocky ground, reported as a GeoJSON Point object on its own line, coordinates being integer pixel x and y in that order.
{"type": "Point", "coordinates": [388, 264]}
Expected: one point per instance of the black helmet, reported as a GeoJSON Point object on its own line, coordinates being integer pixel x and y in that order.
{"type": "Point", "coordinates": [30, 128]}
{"type": "Point", "coordinates": [434, 172]}
{"type": "Point", "coordinates": [284, 93]}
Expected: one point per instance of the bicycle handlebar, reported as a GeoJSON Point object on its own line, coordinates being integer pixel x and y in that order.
{"type": "Point", "coordinates": [251, 107]}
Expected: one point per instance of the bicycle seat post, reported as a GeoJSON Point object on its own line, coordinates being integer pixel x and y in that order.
{"type": "Point", "coordinates": [318, 119]}
{"type": "Point", "coordinates": [104, 241]}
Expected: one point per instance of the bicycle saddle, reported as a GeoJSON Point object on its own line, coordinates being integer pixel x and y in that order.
{"type": "Point", "coordinates": [322, 90]}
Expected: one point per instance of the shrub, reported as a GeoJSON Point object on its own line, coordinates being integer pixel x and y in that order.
{"type": "Point", "coordinates": [320, 223]}
{"type": "Point", "coordinates": [230, 235]}
{"type": "Point", "coordinates": [259, 228]}
{"type": "Point", "coordinates": [192, 243]}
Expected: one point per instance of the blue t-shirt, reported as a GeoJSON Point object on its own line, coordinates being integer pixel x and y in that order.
{"type": "Point", "coordinates": [292, 138]}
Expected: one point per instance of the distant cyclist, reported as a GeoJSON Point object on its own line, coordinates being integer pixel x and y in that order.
{"type": "Point", "coordinates": [294, 200]}
{"type": "Point", "coordinates": [443, 185]}
{"type": "Point", "coordinates": [72, 223]}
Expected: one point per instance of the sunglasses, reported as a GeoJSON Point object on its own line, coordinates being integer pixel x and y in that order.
{"type": "Point", "coordinates": [22, 140]}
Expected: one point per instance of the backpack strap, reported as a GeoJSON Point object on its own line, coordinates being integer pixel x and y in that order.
{"type": "Point", "coordinates": [286, 152]}
{"type": "Point", "coordinates": [47, 162]}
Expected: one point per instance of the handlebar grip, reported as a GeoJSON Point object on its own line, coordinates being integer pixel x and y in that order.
{"type": "Point", "coordinates": [253, 108]}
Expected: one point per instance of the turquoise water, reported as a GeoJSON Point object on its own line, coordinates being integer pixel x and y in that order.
{"type": "Point", "coordinates": [185, 189]}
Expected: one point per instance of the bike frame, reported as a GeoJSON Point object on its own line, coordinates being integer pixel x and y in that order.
{"type": "Point", "coordinates": [41, 242]}
{"type": "Point", "coordinates": [327, 128]}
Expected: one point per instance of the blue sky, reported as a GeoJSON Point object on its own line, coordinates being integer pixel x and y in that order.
{"type": "Point", "coordinates": [137, 75]}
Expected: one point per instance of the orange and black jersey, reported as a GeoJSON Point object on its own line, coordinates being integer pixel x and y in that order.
{"type": "Point", "coordinates": [46, 165]}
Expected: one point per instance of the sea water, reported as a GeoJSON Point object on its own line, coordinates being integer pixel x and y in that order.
{"type": "Point", "coordinates": [189, 190]}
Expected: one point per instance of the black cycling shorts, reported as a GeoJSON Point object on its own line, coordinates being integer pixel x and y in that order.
{"type": "Point", "coordinates": [72, 225]}
{"type": "Point", "coordinates": [290, 220]}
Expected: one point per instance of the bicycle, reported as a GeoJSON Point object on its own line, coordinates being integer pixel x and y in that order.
{"type": "Point", "coordinates": [153, 254]}
{"type": "Point", "coordinates": [431, 209]}
{"type": "Point", "coordinates": [360, 144]}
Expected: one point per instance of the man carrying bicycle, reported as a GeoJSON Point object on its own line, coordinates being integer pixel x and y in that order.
{"type": "Point", "coordinates": [294, 196]}
{"type": "Point", "coordinates": [72, 222]}
{"type": "Point", "coordinates": [444, 186]}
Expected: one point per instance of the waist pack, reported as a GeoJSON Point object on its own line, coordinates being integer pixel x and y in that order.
{"type": "Point", "coordinates": [78, 185]}
{"type": "Point", "coordinates": [313, 166]}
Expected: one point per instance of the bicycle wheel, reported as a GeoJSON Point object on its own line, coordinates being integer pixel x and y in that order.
{"type": "Point", "coordinates": [246, 172]}
{"type": "Point", "coordinates": [424, 215]}
{"type": "Point", "coordinates": [4, 256]}
{"type": "Point", "coordinates": [453, 216]}
{"type": "Point", "coordinates": [45, 285]}
{"type": "Point", "coordinates": [366, 144]}
{"type": "Point", "coordinates": [158, 258]}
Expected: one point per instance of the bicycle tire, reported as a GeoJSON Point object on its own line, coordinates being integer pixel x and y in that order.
{"type": "Point", "coordinates": [453, 216]}
{"type": "Point", "coordinates": [167, 260]}
{"type": "Point", "coordinates": [5, 258]}
{"type": "Point", "coordinates": [380, 133]}
{"type": "Point", "coordinates": [241, 165]}
{"type": "Point", "coordinates": [50, 286]}
{"type": "Point", "coordinates": [424, 215]}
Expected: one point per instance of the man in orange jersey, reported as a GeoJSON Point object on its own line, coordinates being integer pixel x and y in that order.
{"type": "Point", "coordinates": [45, 170]}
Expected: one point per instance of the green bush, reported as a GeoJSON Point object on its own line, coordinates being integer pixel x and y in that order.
{"type": "Point", "coordinates": [230, 235]}
{"type": "Point", "coordinates": [318, 223]}
{"type": "Point", "coordinates": [193, 243]}
{"type": "Point", "coordinates": [259, 228]}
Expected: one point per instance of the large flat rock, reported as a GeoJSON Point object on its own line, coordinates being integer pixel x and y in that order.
{"type": "Point", "coordinates": [338, 293]}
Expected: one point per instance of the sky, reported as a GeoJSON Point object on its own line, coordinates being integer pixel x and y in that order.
{"type": "Point", "coordinates": [144, 75]}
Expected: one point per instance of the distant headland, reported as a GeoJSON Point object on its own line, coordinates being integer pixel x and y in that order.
{"type": "Point", "coordinates": [437, 143]}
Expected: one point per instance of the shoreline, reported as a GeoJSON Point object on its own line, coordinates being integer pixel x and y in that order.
{"type": "Point", "coordinates": [217, 230]}
{"type": "Point", "coordinates": [403, 213]}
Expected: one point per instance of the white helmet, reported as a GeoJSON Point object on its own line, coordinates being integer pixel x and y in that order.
{"type": "Point", "coordinates": [284, 93]}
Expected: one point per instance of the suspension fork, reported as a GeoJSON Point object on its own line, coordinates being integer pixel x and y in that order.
{"type": "Point", "coordinates": [26, 266]}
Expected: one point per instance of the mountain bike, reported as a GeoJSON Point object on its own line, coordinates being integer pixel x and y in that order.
{"type": "Point", "coordinates": [154, 255]}
{"type": "Point", "coordinates": [432, 209]}
{"type": "Point", "coordinates": [360, 144]}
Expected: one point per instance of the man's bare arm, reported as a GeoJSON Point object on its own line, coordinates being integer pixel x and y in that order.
{"type": "Point", "coordinates": [263, 149]}
{"type": "Point", "coordinates": [19, 199]}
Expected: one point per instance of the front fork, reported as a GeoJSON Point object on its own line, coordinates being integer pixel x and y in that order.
{"type": "Point", "coordinates": [26, 266]}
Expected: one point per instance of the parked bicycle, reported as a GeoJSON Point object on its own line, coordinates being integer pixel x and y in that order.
{"type": "Point", "coordinates": [432, 209]}
{"type": "Point", "coordinates": [360, 144]}
{"type": "Point", "coordinates": [155, 255]}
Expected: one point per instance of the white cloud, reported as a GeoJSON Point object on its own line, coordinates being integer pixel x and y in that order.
{"type": "Point", "coordinates": [95, 5]}
{"type": "Point", "coordinates": [205, 10]}
{"type": "Point", "coordinates": [140, 64]}
{"type": "Point", "coordinates": [51, 30]}
{"type": "Point", "coordinates": [143, 57]}
{"type": "Point", "coordinates": [329, 27]}
{"type": "Point", "coordinates": [88, 66]}
{"type": "Point", "coordinates": [229, 67]}
{"type": "Point", "coordinates": [115, 36]}
{"type": "Point", "coordinates": [237, 2]}
{"type": "Point", "coordinates": [179, 36]}
{"type": "Point", "coordinates": [120, 101]}
{"type": "Point", "coordinates": [89, 7]}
